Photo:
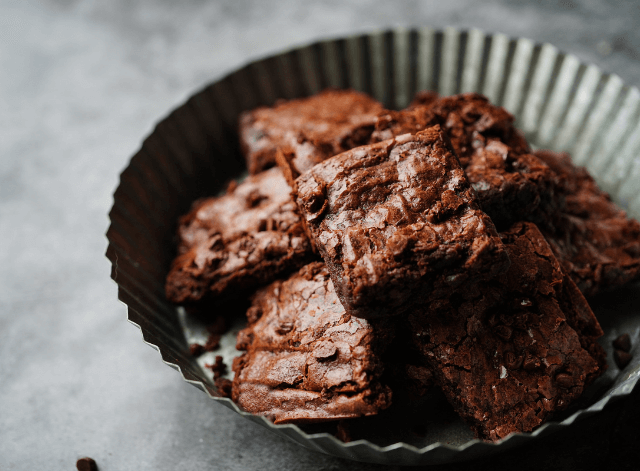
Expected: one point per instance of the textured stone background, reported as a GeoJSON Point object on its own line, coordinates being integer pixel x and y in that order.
{"type": "Point", "coordinates": [81, 83]}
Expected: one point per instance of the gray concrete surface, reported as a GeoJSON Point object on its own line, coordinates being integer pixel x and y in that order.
{"type": "Point", "coordinates": [81, 83]}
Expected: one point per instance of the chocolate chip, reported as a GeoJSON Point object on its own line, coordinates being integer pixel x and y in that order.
{"type": "Point", "coordinates": [622, 358]}
{"type": "Point", "coordinates": [623, 342]}
{"type": "Point", "coordinates": [503, 332]}
{"type": "Point", "coordinates": [512, 361]}
{"type": "Point", "coordinates": [86, 464]}
{"type": "Point", "coordinates": [196, 349]}
{"type": "Point", "coordinates": [564, 380]}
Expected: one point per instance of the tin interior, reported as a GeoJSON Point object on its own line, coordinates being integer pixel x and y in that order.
{"type": "Point", "coordinates": [559, 102]}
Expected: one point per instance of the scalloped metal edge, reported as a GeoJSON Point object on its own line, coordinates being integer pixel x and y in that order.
{"type": "Point", "coordinates": [623, 385]}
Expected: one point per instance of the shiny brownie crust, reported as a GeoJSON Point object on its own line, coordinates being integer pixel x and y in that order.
{"type": "Point", "coordinates": [397, 223]}
{"type": "Point", "coordinates": [309, 130]}
{"type": "Point", "coordinates": [229, 245]}
{"type": "Point", "coordinates": [306, 359]}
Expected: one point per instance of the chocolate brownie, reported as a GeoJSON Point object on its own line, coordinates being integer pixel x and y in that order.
{"type": "Point", "coordinates": [396, 223]}
{"type": "Point", "coordinates": [597, 244]}
{"type": "Point", "coordinates": [310, 129]}
{"type": "Point", "coordinates": [235, 242]}
{"type": "Point", "coordinates": [510, 352]}
{"type": "Point", "coordinates": [306, 359]}
{"type": "Point", "coordinates": [511, 183]}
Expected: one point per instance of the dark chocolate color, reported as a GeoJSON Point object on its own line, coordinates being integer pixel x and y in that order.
{"type": "Point", "coordinates": [86, 464]}
{"type": "Point", "coordinates": [396, 223]}
{"type": "Point", "coordinates": [622, 342]}
{"type": "Point", "coordinates": [510, 182]}
{"type": "Point", "coordinates": [510, 352]}
{"type": "Point", "coordinates": [310, 129]}
{"type": "Point", "coordinates": [235, 242]}
{"type": "Point", "coordinates": [306, 359]}
{"type": "Point", "coordinates": [597, 244]}
{"type": "Point", "coordinates": [622, 358]}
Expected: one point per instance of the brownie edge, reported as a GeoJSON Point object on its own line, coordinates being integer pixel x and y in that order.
{"type": "Point", "coordinates": [306, 359]}
{"type": "Point", "coordinates": [397, 223]}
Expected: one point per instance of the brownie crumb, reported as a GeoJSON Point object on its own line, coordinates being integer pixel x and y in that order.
{"type": "Point", "coordinates": [623, 342]}
{"type": "Point", "coordinates": [195, 349]}
{"type": "Point", "coordinates": [343, 433]}
{"type": "Point", "coordinates": [224, 386]}
{"type": "Point", "coordinates": [86, 464]}
{"type": "Point", "coordinates": [218, 368]}
{"type": "Point", "coordinates": [622, 358]}
{"type": "Point", "coordinates": [213, 343]}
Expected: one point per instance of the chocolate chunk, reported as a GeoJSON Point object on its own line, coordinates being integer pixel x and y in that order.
{"type": "Point", "coordinates": [325, 367]}
{"type": "Point", "coordinates": [308, 130]}
{"type": "Point", "coordinates": [399, 224]}
{"type": "Point", "coordinates": [501, 383]}
{"type": "Point", "coordinates": [86, 464]}
{"type": "Point", "coordinates": [622, 358]}
{"type": "Point", "coordinates": [230, 247]}
{"type": "Point", "coordinates": [622, 342]}
{"type": "Point", "coordinates": [195, 349]}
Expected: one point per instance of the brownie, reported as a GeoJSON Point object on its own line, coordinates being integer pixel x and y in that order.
{"type": "Point", "coordinates": [310, 129]}
{"type": "Point", "coordinates": [510, 352]}
{"type": "Point", "coordinates": [306, 359]}
{"type": "Point", "coordinates": [397, 223]}
{"type": "Point", "coordinates": [235, 242]}
{"type": "Point", "coordinates": [510, 182]}
{"type": "Point", "coordinates": [597, 244]}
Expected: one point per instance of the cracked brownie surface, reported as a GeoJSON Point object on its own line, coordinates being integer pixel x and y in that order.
{"type": "Point", "coordinates": [237, 241]}
{"type": "Point", "coordinates": [306, 359]}
{"type": "Point", "coordinates": [510, 352]}
{"type": "Point", "coordinates": [308, 129]}
{"type": "Point", "coordinates": [597, 244]}
{"type": "Point", "coordinates": [509, 180]}
{"type": "Point", "coordinates": [396, 223]}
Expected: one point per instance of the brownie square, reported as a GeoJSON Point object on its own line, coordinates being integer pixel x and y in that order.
{"type": "Point", "coordinates": [510, 182]}
{"type": "Point", "coordinates": [597, 244]}
{"type": "Point", "coordinates": [397, 223]}
{"type": "Point", "coordinates": [306, 359]}
{"type": "Point", "coordinates": [235, 242]}
{"type": "Point", "coordinates": [510, 352]}
{"type": "Point", "coordinates": [308, 129]}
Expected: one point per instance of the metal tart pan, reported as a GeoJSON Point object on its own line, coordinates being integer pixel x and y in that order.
{"type": "Point", "coordinates": [560, 103]}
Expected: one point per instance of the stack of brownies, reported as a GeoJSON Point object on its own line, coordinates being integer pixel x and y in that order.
{"type": "Point", "coordinates": [433, 235]}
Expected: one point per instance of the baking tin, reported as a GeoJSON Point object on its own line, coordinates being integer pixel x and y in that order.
{"type": "Point", "coordinates": [559, 102]}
